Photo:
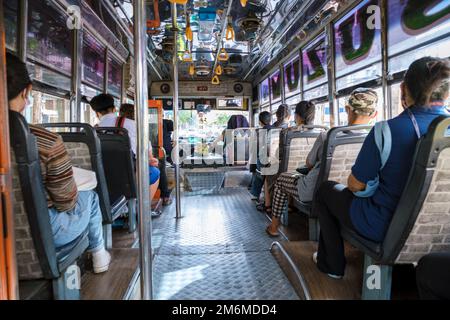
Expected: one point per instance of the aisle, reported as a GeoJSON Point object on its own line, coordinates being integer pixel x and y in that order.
{"type": "Point", "coordinates": [218, 250]}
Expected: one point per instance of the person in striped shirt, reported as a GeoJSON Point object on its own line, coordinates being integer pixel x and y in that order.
{"type": "Point", "coordinates": [71, 212]}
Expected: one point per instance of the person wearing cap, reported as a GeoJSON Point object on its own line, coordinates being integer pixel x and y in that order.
{"type": "Point", "coordinates": [361, 109]}
{"type": "Point", "coordinates": [104, 108]}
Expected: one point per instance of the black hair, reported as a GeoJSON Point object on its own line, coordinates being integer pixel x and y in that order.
{"type": "Point", "coordinates": [282, 112]}
{"type": "Point", "coordinates": [265, 118]}
{"type": "Point", "coordinates": [427, 80]}
{"type": "Point", "coordinates": [103, 102]}
{"type": "Point", "coordinates": [237, 121]}
{"type": "Point", "coordinates": [307, 111]}
{"type": "Point", "coordinates": [127, 110]}
{"type": "Point", "coordinates": [17, 76]}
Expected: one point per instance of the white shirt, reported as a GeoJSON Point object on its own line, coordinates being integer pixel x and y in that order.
{"type": "Point", "coordinates": [110, 120]}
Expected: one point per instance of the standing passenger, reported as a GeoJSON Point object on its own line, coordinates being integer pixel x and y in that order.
{"type": "Point", "coordinates": [71, 212]}
{"type": "Point", "coordinates": [423, 91]}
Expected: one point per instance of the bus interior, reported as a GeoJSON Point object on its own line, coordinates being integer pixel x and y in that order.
{"type": "Point", "coordinates": [192, 68]}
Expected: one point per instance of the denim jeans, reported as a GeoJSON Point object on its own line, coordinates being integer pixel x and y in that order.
{"type": "Point", "coordinates": [257, 185]}
{"type": "Point", "coordinates": [67, 226]}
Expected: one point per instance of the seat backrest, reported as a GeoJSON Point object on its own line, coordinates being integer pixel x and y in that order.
{"type": "Point", "coordinates": [35, 249]}
{"type": "Point", "coordinates": [421, 222]}
{"type": "Point", "coordinates": [237, 144]}
{"type": "Point", "coordinates": [296, 145]}
{"type": "Point", "coordinates": [269, 150]}
{"type": "Point", "coordinates": [84, 148]}
{"type": "Point", "coordinates": [340, 150]}
{"type": "Point", "coordinates": [118, 162]}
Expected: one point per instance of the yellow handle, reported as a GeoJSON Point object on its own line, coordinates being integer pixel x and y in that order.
{"type": "Point", "coordinates": [189, 34]}
{"type": "Point", "coordinates": [243, 3]}
{"type": "Point", "coordinates": [230, 33]}
{"type": "Point", "coordinates": [191, 69]}
{"type": "Point", "coordinates": [187, 56]}
{"type": "Point", "coordinates": [223, 55]}
{"type": "Point", "coordinates": [215, 80]}
{"type": "Point", "coordinates": [219, 70]}
{"type": "Point", "coordinates": [178, 1]}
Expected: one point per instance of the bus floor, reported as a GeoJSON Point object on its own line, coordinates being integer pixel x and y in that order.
{"type": "Point", "coordinates": [218, 250]}
{"type": "Point", "coordinates": [320, 286]}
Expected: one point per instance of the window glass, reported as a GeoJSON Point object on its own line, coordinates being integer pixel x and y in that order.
{"type": "Point", "coordinates": [47, 109]}
{"type": "Point", "coordinates": [320, 91]}
{"type": "Point", "coordinates": [49, 39]}
{"type": "Point", "coordinates": [52, 78]}
{"type": "Point", "coordinates": [11, 12]}
{"type": "Point", "coordinates": [115, 77]}
{"type": "Point", "coordinates": [358, 40]}
{"type": "Point", "coordinates": [412, 22]}
{"type": "Point", "coordinates": [322, 117]}
{"type": "Point", "coordinates": [315, 63]}
{"type": "Point", "coordinates": [396, 101]}
{"type": "Point", "coordinates": [275, 86]}
{"type": "Point", "coordinates": [87, 114]}
{"type": "Point", "coordinates": [440, 49]}
{"type": "Point", "coordinates": [292, 77]}
{"type": "Point", "coordinates": [93, 71]}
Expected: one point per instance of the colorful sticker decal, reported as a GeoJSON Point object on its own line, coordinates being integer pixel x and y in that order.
{"type": "Point", "coordinates": [315, 62]}
{"type": "Point", "coordinates": [264, 91]}
{"type": "Point", "coordinates": [412, 22]}
{"type": "Point", "coordinates": [292, 76]}
{"type": "Point", "coordinates": [357, 38]}
{"type": "Point", "coordinates": [275, 86]}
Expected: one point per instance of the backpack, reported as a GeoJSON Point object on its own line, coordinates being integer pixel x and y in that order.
{"type": "Point", "coordinates": [383, 141]}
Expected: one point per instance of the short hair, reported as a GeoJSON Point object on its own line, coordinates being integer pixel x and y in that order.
{"type": "Point", "coordinates": [102, 102]}
{"type": "Point", "coordinates": [127, 110]}
{"type": "Point", "coordinates": [265, 118]}
{"type": "Point", "coordinates": [17, 76]}
{"type": "Point", "coordinates": [307, 111]}
{"type": "Point", "coordinates": [283, 112]}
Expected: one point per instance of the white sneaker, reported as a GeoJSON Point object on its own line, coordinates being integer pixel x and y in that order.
{"type": "Point", "coordinates": [101, 260]}
{"type": "Point", "coordinates": [314, 257]}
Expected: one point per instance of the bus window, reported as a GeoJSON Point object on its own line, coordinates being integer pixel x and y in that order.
{"type": "Point", "coordinates": [396, 101]}
{"type": "Point", "coordinates": [11, 9]}
{"type": "Point", "coordinates": [322, 114]}
{"type": "Point", "coordinates": [114, 77]}
{"type": "Point", "coordinates": [87, 115]}
{"type": "Point", "coordinates": [47, 109]}
{"type": "Point", "coordinates": [256, 118]}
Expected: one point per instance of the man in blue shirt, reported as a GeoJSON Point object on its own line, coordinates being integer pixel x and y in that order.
{"type": "Point", "coordinates": [424, 90]}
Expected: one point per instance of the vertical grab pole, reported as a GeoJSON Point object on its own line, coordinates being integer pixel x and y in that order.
{"type": "Point", "coordinates": [176, 150]}
{"type": "Point", "coordinates": [145, 225]}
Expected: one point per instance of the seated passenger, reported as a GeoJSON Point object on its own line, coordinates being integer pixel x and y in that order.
{"type": "Point", "coordinates": [71, 212]}
{"type": "Point", "coordinates": [103, 106]}
{"type": "Point", "coordinates": [361, 109]}
{"type": "Point", "coordinates": [257, 180]}
{"type": "Point", "coordinates": [283, 114]}
{"type": "Point", "coordinates": [423, 91]}
{"type": "Point", "coordinates": [128, 111]}
{"type": "Point", "coordinates": [304, 115]}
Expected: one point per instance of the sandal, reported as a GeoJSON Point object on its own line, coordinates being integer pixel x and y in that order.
{"type": "Point", "coordinates": [270, 233]}
{"type": "Point", "coordinates": [262, 208]}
